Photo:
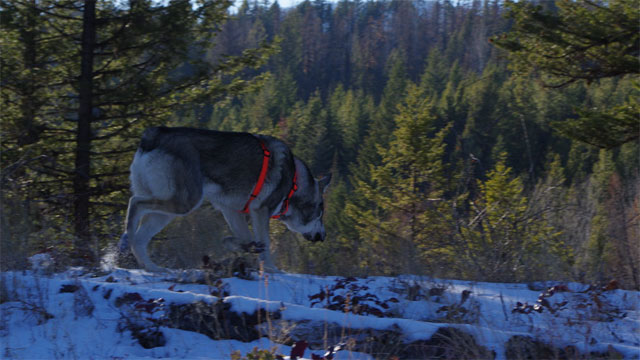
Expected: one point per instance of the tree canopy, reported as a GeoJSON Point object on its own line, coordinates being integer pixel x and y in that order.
{"type": "Point", "coordinates": [581, 40]}
{"type": "Point", "coordinates": [81, 79]}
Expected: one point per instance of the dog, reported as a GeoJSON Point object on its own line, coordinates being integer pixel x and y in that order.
{"type": "Point", "coordinates": [175, 169]}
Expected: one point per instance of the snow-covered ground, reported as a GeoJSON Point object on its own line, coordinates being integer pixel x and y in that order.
{"type": "Point", "coordinates": [80, 315]}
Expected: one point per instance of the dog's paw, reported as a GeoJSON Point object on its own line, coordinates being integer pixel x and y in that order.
{"type": "Point", "coordinates": [231, 244]}
{"type": "Point", "coordinates": [253, 247]}
{"type": "Point", "coordinates": [271, 269]}
{"type": "Point", "coordinates": [153, 268]}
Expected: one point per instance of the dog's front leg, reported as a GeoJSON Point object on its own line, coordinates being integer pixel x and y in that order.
{"type": "Point", "coordinates": [260, 222]}
{"type": "Point", "coordinates": [238, 224]}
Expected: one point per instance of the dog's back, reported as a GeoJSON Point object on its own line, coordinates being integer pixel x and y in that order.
{"type": "Point", "coordinates": [229, 160]}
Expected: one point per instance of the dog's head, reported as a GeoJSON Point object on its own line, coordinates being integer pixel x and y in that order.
{"type": "Point", "coordinates": [307, 206]}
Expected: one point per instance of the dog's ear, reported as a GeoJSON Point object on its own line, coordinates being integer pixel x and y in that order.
{"type": "Point", "coordinates": [323, 183]}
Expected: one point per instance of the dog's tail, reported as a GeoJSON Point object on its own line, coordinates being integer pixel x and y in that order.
{"type": "Point", "coordinates": [149, 138]}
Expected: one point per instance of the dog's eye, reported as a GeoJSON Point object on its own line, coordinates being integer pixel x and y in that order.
{"type": "Point", "coordinates": [308, 212]}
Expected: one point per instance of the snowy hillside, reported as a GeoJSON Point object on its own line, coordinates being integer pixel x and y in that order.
{"type": "Point", "coordinates": [127, 314]}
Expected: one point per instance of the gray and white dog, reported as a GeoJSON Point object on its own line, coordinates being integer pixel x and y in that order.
{"type": "Point", "coordinates": [175, 169]}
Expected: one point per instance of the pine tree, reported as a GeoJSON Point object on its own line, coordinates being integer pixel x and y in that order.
{"type": "Point", "coordinates": [108, 71]}
{"type": "Point", "coordinates": [516, 125]}
{"type": "Point", "coordinates": [350, 117]}
{"type": "Point", "coordinates": [503, 240]}
{"type": "Point", "coordinates": [501, 196]}
{"type": "Point", "coordinates": [406, 190]}
{"type": "Point", "coordinates": [307, 132]}
{"type": "Point", "coordinates": [367, 53]}
{"type": "Point", "coordinates": [434, 76]}
{"type": "Point", "coordinates": [612, 245]}
{"type": "Point", "coordinates": [382, 123]}
{"type": "Point", "coordinates": [583, 41]}
{"type": "Point", "coordinates": [379, 131]}
{"type": "Point", "coordinates": [600, 258]}
{"type": "Point", "coordinates": [481, 98]}
{"type": "Point", "coordinates": [550, 200]}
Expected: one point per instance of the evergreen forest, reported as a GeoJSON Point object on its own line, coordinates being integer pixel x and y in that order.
{"type": "Point", "coordinates": [482, 139]}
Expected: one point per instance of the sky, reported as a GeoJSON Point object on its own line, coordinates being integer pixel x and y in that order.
{"type": "Point", "coordinates": [283, 3]}
{"type": "Point", "coordinates": [289, 3]}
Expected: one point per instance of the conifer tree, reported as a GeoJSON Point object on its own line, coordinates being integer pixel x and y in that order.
{"type": "Point", "coordinates": [350, 122]}
{"type": "Point", "coordinates": [382, 123]}
{"type": "Point", "coordinates": [405, 189]}
{"type": "Point", "coordinates": [481, 97]}
{"type": "Point", "coordinates": [307, 132]}
{"type": "Point", "coordinates": [516, 125]}
{"type": "Point", "coordinates": [600, 257]}
{"type": "Point", "coordinates": [437, 73]}
{"type": "Point", "coordinates": [108, 70]}
{"type": "Point", "coordinates": [504, 239]}
{"type": "Point", "coordinates": [550, 199]}
{"type": "Point", "coordinates": [379, 130]}
{"type": "Point", "coordinates": [612, 248]}
{"type": "Point", "coordinates": [583, 41]}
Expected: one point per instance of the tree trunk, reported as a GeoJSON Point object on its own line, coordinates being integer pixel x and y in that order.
{"type": "Point", "coordinates": [81, 186]}
{"type": "Point", "coordinates": [29, 134]}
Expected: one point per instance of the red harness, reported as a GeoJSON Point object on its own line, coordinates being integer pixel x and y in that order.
{"type": "Point", "coordinates": [260, 183]}
{"type": "Point", "coordinates": [285, 203]}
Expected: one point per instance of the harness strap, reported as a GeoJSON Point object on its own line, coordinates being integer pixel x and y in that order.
{"type": "Point", "coordinates": [261, 178]}
{"type": "Point", "coordinates": [285, 203]}
{"type": "Point", "coordinates": [260, 183]}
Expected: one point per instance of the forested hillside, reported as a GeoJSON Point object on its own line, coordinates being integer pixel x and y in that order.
{"type": "Point", "coordinates": [448, 160]}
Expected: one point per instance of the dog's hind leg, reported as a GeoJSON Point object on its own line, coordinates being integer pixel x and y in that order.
{"type": "Point", "coordinates": [132, 221]}
{"type": "Point", "coordinates": [150, 225]}
{"type": "Point", "coordinates": [145, 218]}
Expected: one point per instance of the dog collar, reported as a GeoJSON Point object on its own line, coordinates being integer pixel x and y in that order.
{"type": "Point", "coordinates": [285, 203]}
{"type": "Point", "coordinates": [261, 180]}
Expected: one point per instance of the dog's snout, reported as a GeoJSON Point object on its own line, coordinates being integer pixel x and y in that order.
{"type": "Point", "coordinates": [314, 237]}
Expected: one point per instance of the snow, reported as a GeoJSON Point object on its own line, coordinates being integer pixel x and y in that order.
{"type": "Point", "coordinates": [38, 321]}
